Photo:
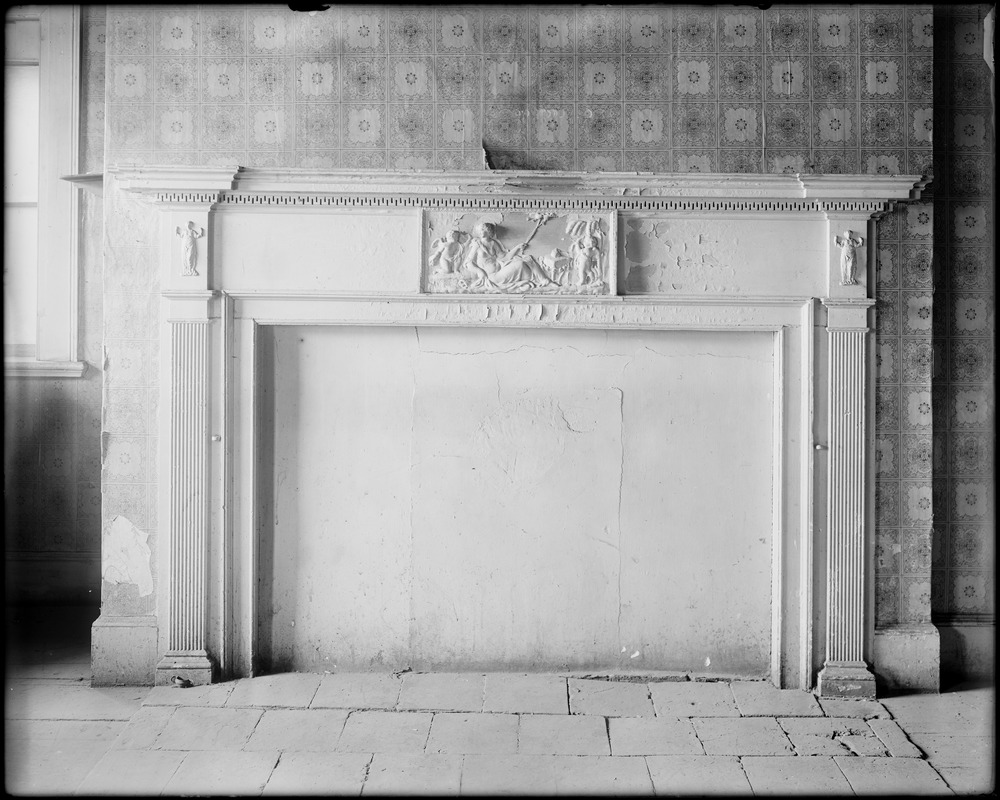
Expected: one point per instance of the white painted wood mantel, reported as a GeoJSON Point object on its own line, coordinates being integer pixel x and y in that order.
{"type": "Point", "coordinates": [245, 251]}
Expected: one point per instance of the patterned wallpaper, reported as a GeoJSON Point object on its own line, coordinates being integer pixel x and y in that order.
{"type": "Point", "coordinates": [659, 88]}
{"type": "Point", "coordinates": [662, 88]}
{"type": "Point", "coordinates": [964, 321]}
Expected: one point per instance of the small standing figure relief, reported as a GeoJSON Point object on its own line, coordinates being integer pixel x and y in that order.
{"type": "Point", "coordinates": [849, 243]}
{"type": "Point", "coordinates": [586, 260]}
{"type": "Point", "coordinates": [189, 252]}
{"type": "Point", "coordinates": [448, 253]}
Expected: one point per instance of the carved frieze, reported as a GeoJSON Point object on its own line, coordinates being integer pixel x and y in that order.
{"type": "Point", "coordinates": [519, 252]}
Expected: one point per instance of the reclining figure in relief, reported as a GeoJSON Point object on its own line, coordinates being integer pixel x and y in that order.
{"type": "Point", "coordinates": [480, 263]}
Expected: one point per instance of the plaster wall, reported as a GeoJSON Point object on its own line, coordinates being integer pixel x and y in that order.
{"type": "Point", "coordinates": [470, 498]}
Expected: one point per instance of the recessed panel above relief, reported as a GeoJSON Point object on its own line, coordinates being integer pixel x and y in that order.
{"type": "Point", "coordinates": [519, 252]}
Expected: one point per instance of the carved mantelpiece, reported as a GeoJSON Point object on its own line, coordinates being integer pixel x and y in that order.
{"type": "Point", "coordinates": [243, 250]}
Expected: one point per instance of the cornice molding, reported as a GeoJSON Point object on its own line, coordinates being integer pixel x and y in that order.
{"type": "Point", "coordinates": [233, 186]}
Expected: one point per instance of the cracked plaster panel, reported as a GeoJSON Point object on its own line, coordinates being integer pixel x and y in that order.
{"type": "Point", "coordinates": [697, 484]}
{"type": "Point", "coordinates": [467, 486]}
{"type": "Point", "coordinates": [722, 256]}
{"type": "Point", "coordinates": [375, 251]}
{"type": "Point", "coordinates": [517, 455]}
{"type": "Point", "coordinates": [341, 568]}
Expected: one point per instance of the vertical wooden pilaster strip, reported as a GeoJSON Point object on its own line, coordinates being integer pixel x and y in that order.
{"type": "Point", "coordinates": [846, 673]}
{"type": "Point", "coordinates": [188, 481]}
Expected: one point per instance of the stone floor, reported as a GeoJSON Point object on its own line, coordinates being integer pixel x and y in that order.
{"type": "Point", "coordinates": [477, 734]}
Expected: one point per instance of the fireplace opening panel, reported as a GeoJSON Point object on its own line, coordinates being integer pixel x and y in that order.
{"type": "Point", "coordinates": [469, 498]}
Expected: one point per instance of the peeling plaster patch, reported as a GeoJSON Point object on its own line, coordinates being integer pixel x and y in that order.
{"type": "Point", "coordinates": [127, 556]}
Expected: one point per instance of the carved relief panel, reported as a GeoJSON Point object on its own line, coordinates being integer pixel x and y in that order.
{"type": "Point", "coordinates": [519, 252]}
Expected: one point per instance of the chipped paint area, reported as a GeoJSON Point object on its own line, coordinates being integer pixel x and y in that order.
{"type": "Point", "coordinates": [126, 556]}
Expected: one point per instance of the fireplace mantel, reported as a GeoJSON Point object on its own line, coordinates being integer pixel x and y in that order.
{"type": "Point", "coordinates": [243, 250]}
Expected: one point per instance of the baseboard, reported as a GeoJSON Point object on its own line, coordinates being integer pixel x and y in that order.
{"type": "Point", "coordinates": [908, 657]}
{"type": "Point", "coordinates": [968, 648]}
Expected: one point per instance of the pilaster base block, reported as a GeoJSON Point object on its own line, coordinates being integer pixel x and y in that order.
{"type": "Point", "coordinates": [909, 657]}
{"type": "Point", "coordinates": [194, 667]}
{"type": "Point", "coordinates": [848, 680]}
{"type": "Point", "coordinates": [123, 650]}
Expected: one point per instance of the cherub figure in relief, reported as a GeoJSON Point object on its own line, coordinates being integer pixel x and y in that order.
{"type": "Point", "coordinates": [586, 260]}
{"type": "Point", "coordinates": [448, 253]}
{"type": "Point", "coordinates": [849, 243]}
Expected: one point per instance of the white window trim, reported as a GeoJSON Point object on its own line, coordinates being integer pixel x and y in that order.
{"type": "Point", "coordinates": [57, 337]}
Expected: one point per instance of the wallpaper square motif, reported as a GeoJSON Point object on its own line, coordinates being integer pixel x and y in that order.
{"type": "Point", "coordinates": [739, 31]}
{"type": "Point", "coordinates": [787, 78]}
{"type": "Point", "coordinates": [411, 126]}
{"type": "Point", "coordinates": [695, 125]}
{"type": "Point", "coordinates": [316, 35]}
{"type": "Point", "coordinates": [411, 78]}
{"type": "Point", "coordinates": [175, 127]}
{"type": "Point", "coordinates": [364, 159]}
{"type": "Point", "coordinates": [786, 125]}
{"type": "Point", "coordinates": [317, 79]}
{"type": "Point", "coordinates": [882, 78]}
{"type": "Point", "coordinates": [600, 161]}
{"type": "Point", "coordinates": [919, 27]}
{"type": "Point", "coordinates": [916, 551]}
{"type": "Point", "coordinates": [552, 127]}
{"type": "Point", "coordinates": [364, 31]}
{"type": "Point", "coordinates": [916, 456]}
{"type": "Point", "coordinates": [887, 407]}
{"type": "Point", "coordinates": [971, 360]}
{"type": "Point", "coordinates": [741, 161]}
{"type": "Point", "coordinates": [599, 126]}
{"type": "Point", "coordinates": [130, 33]}
{"type": "Point", "coordinates": [223, 32]}
{"type": "Point", "coordinates": [648, 78]}
{"type": "Point", "coordinates": [882, 125]}
{"type": "Point", "coordinates": [600, 29]}
{"type": "Point", "coordinates": [970, 454]}
{"type": "Point", "coordinates": [694, 29]}
{"type": "Point", "coordinates": [317, 126]}
{"type": "Point", "coordinates": [269, 80]}
{"type": "Point", "coordinates": [223, 81]}
{"type": "Point", "coordinates": [599, 79]}
{"type": "Point", "coordinates": [835, 126]}
{"type": "Point", "coordinates": [223, 127]}
{"type": "Point", "coordinates": [505, 30]}
{"type": "Point", "coordinates": [458, 29]}
{"type": "Point", "coordinates": [363, 126]}
{"type": "Point", "coordinates": [411, 30]}
{"type": "Point", "coordinates": [175, 81]}
{"type": "Point", "coordinates": [739, 126]}
{"type": "Point", "coordinates": [887, 552]}
{"type": "Point", "coordinates": [364, 78]}
{"type": "Point", "coordinates": [270, 127]}
{"type": "Point", "coordinates": [917, 272]}
{"type": "Point", "coordinates": [887, 503]}
{"type": "Point", "coordinates": [695, 79]}
{"type": "Point", "coordinates": [552, 29]}
{"type": "Point", "coordinates": [412, 159]}
{"type": "Point", "coordinates": [886, 456]}
{"type": "Point", "coordinates": [174, 33]}
{"type": "Point", "coordinates": [969, 269]}
{"type": "Point", "coordinates": [647, 125]}
{"type": "Point", "coordinates": [881, 30]}
{"type": "Point", "coordinates": [887, 313]}
{"type": "Point", "coordinates": [969, 86]}
{"type": "Point", "coordinates": [459, 125]}
{"type": "Point", "coordinates": [740, 79]}
{"type": "Point", "coordinates": [834, 29]}
{"type": "Point", "coordinates": [920, 78]}
{"type": "Point", "coordinates": [695, 161]}
{"type": "Point", "coordinates": [506, 126]}
{"type": "Point", "coordinates": [131, 80]}
{"type": "Point", "coordinates": [646, 160]}
{"type": "Point", "coordinates": [835, 162]}
{"type": "Point", "coordinates": [506, 78]}
{"type": "Point", "coordinates": [554, 78]}
{"type": "Point", "coordinates": [269, 33]}
{"type": "Point", "coordinates": [788, 30]}
{"type": "Point", "coordinates": [458, 78]}
{"type": "Point", "coordinates": [647, 30]}
{"type": "Point", "coordinates": [834, 77]}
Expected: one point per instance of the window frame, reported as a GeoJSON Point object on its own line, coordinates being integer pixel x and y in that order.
{"type": "Point", "coordinates": [57, 313]}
